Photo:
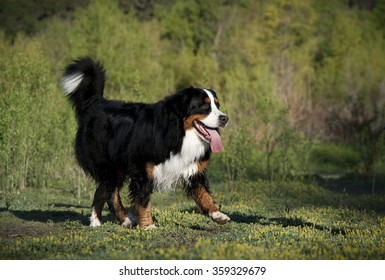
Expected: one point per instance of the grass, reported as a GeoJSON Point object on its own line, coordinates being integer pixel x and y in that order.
{"type": "Point", "coordinates": [290, 220]}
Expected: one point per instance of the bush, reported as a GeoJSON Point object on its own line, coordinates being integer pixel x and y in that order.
{"type": "Point", "coordinates": [26, 124]}
{"type": "Point", "coordinates": [332, 158]}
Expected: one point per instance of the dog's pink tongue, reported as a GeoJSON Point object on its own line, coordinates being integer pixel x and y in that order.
{"type": "Point", "coordinates": [216, 141]}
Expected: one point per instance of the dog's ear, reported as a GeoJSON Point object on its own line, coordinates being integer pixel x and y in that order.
{"type": "Point", "coordinates": [180, 102]}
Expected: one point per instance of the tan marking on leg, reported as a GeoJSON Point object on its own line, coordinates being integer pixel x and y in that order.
{"type": "Point", "coordinates": [144, 216]}
{"type": "Point", "coordinates": [204, 200]}
{"type": "Point", "coordinates": [150, 170]}
{"type": "Point", "coordinates": [120, 212]}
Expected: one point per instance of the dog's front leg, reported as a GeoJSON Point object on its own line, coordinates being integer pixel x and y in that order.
{"type": "Point", "coordinates": [198, 188]}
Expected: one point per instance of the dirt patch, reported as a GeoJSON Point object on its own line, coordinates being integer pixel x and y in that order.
{"type": "Point", "coordinates": [19, 228]}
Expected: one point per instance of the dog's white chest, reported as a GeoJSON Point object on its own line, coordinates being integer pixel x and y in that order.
{"type": "Point", "coordinates": [181, 165]}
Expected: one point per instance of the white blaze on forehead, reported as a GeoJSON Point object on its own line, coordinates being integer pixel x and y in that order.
{"type": "Point", "coordinates": [212, 120]}
{"type": "Point", "coordinates": [213, 105]}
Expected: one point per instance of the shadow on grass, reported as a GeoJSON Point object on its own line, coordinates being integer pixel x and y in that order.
{"type": "Point", "coordinates": [55, 216]}
{"type": "Point", "coordinates": [284, 222]}
{"type": "Point", "coordinates": [241, 218]}
{"type": "Point", "coordinates": [59, 216]}
{"type": "Point", "coordinates": [62, 216]}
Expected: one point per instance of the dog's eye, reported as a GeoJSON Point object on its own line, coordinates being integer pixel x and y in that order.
{"type": "Point", "coordinates": [205, 106]}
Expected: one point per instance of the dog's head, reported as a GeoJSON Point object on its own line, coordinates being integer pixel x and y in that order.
{"type": "Point", "coordinates": [200, 111]}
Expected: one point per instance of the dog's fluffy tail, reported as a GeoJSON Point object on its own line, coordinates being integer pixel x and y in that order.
{"type": "Point", "coordinates": [82, 80]}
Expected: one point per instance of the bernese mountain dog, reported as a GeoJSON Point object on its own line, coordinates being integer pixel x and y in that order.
{"type": "Point", "coordinates": [151, 146]}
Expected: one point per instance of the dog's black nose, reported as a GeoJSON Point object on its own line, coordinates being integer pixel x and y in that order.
{"type": "Point", "coordinates": [223, 119]}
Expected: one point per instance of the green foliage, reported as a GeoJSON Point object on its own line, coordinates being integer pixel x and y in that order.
{"type": "Point", "coordinates": [233, 164]}
{"type": "Point", "coordinates": [36, 127]}
{"type": "Point", "coordinates": [191, 24]}
{"type": "Point", "coordinates": [332, 158]}
{"type": "Point", "coordinates": [25, 126]}
{"type": "Point", "coordinates": [30, 17]}
{"type": "Point", "coordinates": [129, 50]}
{"type": "Point", "coordinates": [379, 15]}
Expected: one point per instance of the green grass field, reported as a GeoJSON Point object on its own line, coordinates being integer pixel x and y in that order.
{"type": "Point", "coordinates": [288, 220]}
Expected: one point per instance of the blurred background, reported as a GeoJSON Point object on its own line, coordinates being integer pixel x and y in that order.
{"type": "Point", "coordinates": [303, 82]}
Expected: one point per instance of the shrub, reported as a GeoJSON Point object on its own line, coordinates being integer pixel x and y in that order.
{"type": "Point", "coordinates": [26, 124]}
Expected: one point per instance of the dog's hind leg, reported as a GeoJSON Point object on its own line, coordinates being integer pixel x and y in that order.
{"type": "Point", "coordinates": [100, 198]}
{"type": "Point", "coordinates": [140, 194]}
{"type": "Point", "coordinates": [115, 205]}
{"type": "Point", "coordinates": [144, 215]}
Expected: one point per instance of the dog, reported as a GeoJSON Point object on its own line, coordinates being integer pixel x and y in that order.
{"type": "Point", "coordinates": [151, 146]}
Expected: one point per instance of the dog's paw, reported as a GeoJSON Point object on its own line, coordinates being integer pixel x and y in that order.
{"type": "Point", "coordinates": [94, 222]}
{"type": "Point", "coordinates": [152, 226]}
{"type": "Point", "coordinates": [130, 221]}
{"type": "Point", "coordinates": [219, 217]}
